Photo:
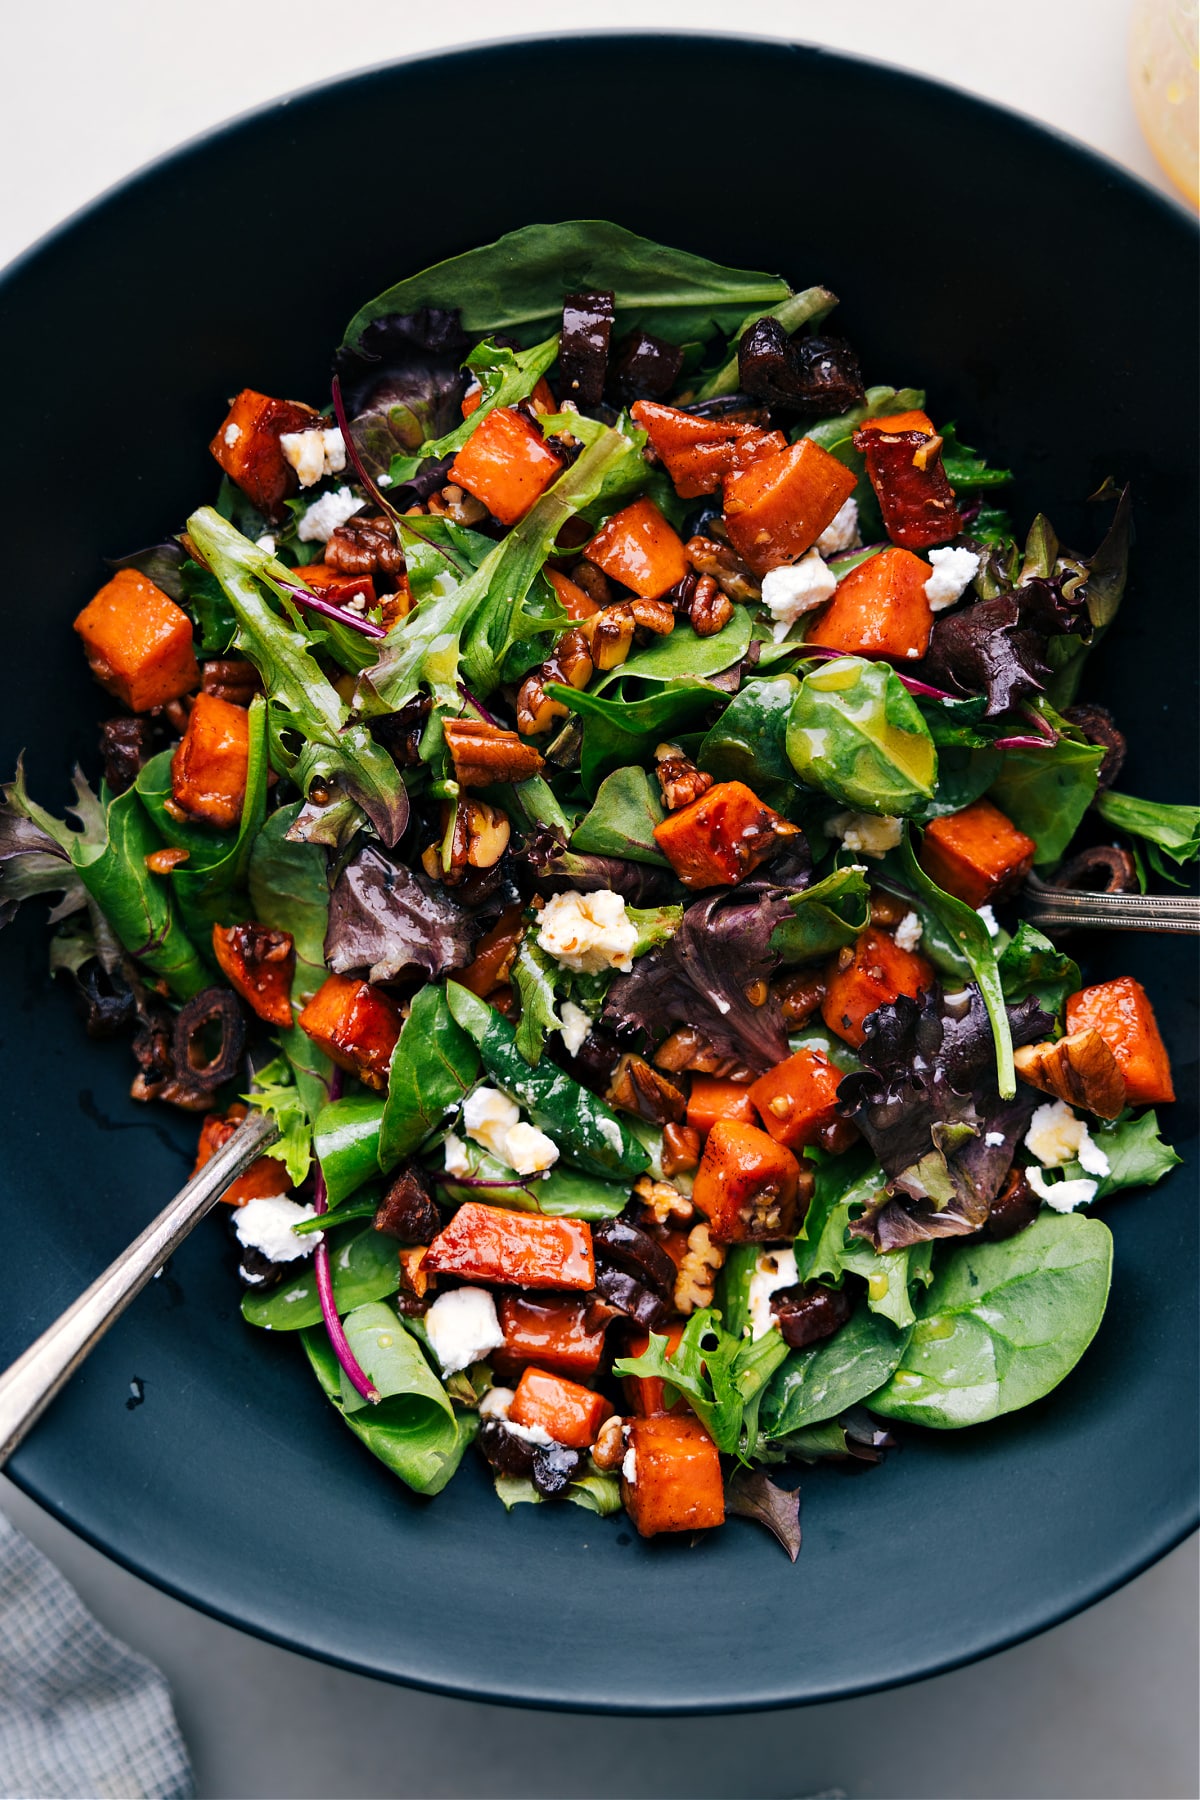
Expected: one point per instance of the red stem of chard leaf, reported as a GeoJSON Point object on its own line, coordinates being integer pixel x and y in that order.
{"type": "Point", "coordinates": [359, 1381]}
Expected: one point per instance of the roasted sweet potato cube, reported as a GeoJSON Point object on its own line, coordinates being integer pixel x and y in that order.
{"type": "Point", "coordinates": [485, 1243]}
{"type": "Point", "coordinates": [571, 1414]}
{"type": "Point", "coordinates": [976, 854]}
{"type": "Point", "coordinates": [639, 549]}
{"type": "Point", "coordinates": [574, 600]}
{"type": "Point", "coordinates": [356, 1025]}
{"type": "Point", "coordinates": [797, 1099]}
{"type": "Point", "coordinates": [265, 1177]}
{"type": "Point", "coordinates": [208, 769]}
{"type": "Point", "coordinates": [879, 972]}
{"type": "Point", "coordinates": [903, 455]}
{"type": "Point", "coordinates": [495, 953]}
{"type": "Point", "coordinates": [332, 585]}
{"type": "Point", "coordinates": [722, 836]}
{"type": "Point", "coordinates": [1122, 1014]}
{"type": "Point", "coordinates": [550, 1330]}
{"type": "Point", "coordinates": [880, 609]}
{"type": "Point", "coordinates": [644, 1394]}
{"type": "Point", "coordinates": [777, 508]}
{"type": "Point", "coordinates": [671, 1479]}
{"type": "Point", "coordinates": [748, 1186]}
{"type": "Point", "coordinates": [138, 642]}
{"type": "Point", "coordinates": [712, 1098]}
{"type": "Point", "coordinates": [506, 463]}
{"type": "Point", "coordinates": [258, 963]}
{"type": "Point", "coordinates": [248, 449]}
{"type": "Point", "coordinates": [902, 421]}
{"type": "Point", "coordinates": [700, 453]}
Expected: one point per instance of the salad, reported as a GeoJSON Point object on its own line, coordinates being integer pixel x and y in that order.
{"type": "Point", "coordinates": [580, 781]}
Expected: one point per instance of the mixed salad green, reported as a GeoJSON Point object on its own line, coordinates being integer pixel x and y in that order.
{"type": "Point", "coordinates": [567, 782]}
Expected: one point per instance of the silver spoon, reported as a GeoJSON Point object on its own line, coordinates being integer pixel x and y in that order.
{"type": "Point", "coordinates": [28, 1387]}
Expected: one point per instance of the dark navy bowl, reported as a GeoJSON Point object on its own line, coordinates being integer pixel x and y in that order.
{"type": "Point", "coordinates": [1047, 301]}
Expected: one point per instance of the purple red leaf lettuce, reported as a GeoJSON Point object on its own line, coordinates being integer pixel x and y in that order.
{"type": "Point", "coordinates": [403, 385]}
{"type": "Point", "coordinates": [387, 920]}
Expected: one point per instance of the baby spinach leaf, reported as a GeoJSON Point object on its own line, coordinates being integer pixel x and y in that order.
{"type": "Point", "coordinates": [622, 819]}
{"type": "Point", "coordinates": [1137, 1155]}
{"type": "Point", "coordinates": [1029, 964]}
{"type": "Point", "coordinates": [747, 743]}
{"type": "Point", "coordinates": [618, 732]}
{"type": "Point", "coordinates": [346, 1142]}
{"type": "Point", "coordinates": [562, 1194]}
{"type": "Point", "coordinates": [797, 310]}
{"type": "Point", "coordinates": [964, 776]}
{"type": "Point", "coordinates": [417, 1436]}
{"type": "Point", "coordinates": [533, 976]}
{"type": "Point", "coordinates": [825, 917]}
{"type": "Point", "coordinates": [682, 653]}
{"type": "Point", "coordinates": [364, 1268]}
{"type": "Point", "coordinates": [1172, 829]}
{"type": "Point", "coordinates": [587, 1131]}
{"type": "Point", "coordinates": [393, 1358]}
{"type": "Point", "coordinates": [433, 1065]}
{"type": "Point", "coordinates": [1046, 792]}
{"type": "Point", "coordinates": [1002, 1324]}
{"type": "Point", "coordinates": [856, 733]}
{"type": "Point", "coordinates": [819, 1383]}
{"type": "Point", "coordinates": [516, 286]}
{"type": "Point", "coordinates": [966, 470]}
{"type": "Point", "coordinates": [844, 1187]}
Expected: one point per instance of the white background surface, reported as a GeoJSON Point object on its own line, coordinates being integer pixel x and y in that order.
{"type": "Point", "coordinates": [1103, 1706]}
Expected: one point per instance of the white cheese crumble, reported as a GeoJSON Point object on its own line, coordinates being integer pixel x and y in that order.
{"type": "Point", "coordinates": [457, 1160]}
{"type": "Point", "coordinates": [266, 542]}
{"type": "Point", "coordinates": [267, 1225]}
{"type": "Point", "coordinates": [314, 454]}
{"type": "Point", "coordinates": [462, 1327]}
{"type": "Point", "coordinates": [529, 1434]}
{"type": "Point", "coordinates": [1063, 1196]}
{"type": "Point", "coordinates": [953, 570]}
{"type": "Point", "coordinates": [841, 533]}
{"type": "Point", "coordinates": [994, 1139]}
{"type": "Point", "coordinates": [383, 481]}
{"type": "Point", "coordinates": [326, 514]}
{"type": "Point", "coordinates": [232, 433]}
{"type": "Point", "coordinates": [795, 589]}
{"type": "Point", "coordinates": [488, 1116]}
{"type": "Point", "coordinates": [909, 931]}
{"type": "Point", "coordinates": [989, 919]}
{"type": "Point", "coordinates": [588, 932]}
{"type": "Point", "coordinates": [576, 1024]}
{"type": "Point", "coordinates": [1057, 1135]}
{"type": "Point", "coordinates": [629, 1465]}
{"type": "Point", "coordinates": [774, 1269]}
{"type": "Point", "coordinates": [869, 834]}
{"type": "Point", "coordinates": [496, 1402]}
{"type": "Point", "coordinates": [528, 1150]}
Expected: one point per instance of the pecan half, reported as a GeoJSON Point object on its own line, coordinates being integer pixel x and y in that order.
{"type": "Point", "coordinates": [709, 610]}
{"type": "Point", "coordinates": [726, 567]}
{"type": "Point", "coordinates": [1080, 1069]}
{"type": "Point", "coordinates": [483, 754]}
{"type": "Point", "coordinates": [687, 1048]}
{"type": "Point", "coordinates": [681, 1149]}
{"type": "Point", "coordinates": [365, 547]}
{"type": "Point", "coordinates": [639, 1089]}
{"type": "Point", "coordinates": [231, 678]}
{"type": "Point", "coordinates": [799, 996]}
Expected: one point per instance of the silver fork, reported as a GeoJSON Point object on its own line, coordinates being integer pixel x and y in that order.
{"type": "Point", "coordinates": [1076, 907]}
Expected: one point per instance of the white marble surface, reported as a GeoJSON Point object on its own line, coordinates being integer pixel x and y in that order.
{"type": "Point", "coordinates": [1102, 1706]}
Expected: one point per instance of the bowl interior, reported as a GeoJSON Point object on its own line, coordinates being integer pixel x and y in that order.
{"type": "Point", "coordinates": [1047, 303]}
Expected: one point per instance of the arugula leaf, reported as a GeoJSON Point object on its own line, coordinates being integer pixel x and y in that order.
{"type": "Point", "coordinates": [517, 285]}
{"type": "Point", "coordinates": [747, 743]}
{"type": "Point", "coordinates": [856, 733]}
{"type": "Point", "coordinates": [433, 1065]}
{"type": "Point", "coordinates": [1002, 1324]}
{"type": "Point", "coordinates": [1174, 830]}
{"type": "Point", "coordinates": [618, 732]}
{"type": "Point", "coordinates": [505, 376]}
{"type": "Point", "coordinates": [622, 818]}
{"type": "Point", "coordinates": [1046, 792]}
{"type": "Point", "coordinates": [965, 469]}
{"type": "Point", "coordinates": [534, 974]}
{"type": "Point", "coordinates": [1137, 1155]}
{"type": "Point", "coordinates": [275, 1092]}
{"type": "Point", "coordinates": [683, 652]}
{"type": "Point", "coordinates": [364, 1268]}
{"type": "Point", "coordinates": [701, 1369]}
{"type": "Point", "coordinates": [798, 309]}
{"type": "Point", "coordinates": [819, 1383]}
{"type": "Point", "coordinates": [1030, 964]}
{"type": "Point", "coordinates": [655, 925]}
{"type": "Point", "coordinates": [826, 917]}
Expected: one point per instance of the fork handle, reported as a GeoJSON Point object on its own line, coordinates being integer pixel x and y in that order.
{"type": "Point", "coordinates": [28, 1387]}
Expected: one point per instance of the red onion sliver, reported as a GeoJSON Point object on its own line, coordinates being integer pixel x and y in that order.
{"type": "Point", "coordinates": [359, 1381]}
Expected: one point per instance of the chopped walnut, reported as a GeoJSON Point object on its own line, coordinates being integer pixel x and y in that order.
{"type": "Point", "coordinates": [687, 1048]}
{"type": "Point", "coordinates": [664, 1200]}
{"type": "Point", "coordinates": [709, 610]}
{"type": "Point", "coordinates": [799, 996]}
{"type": "Point", "coordinates": [593, 581]}
{"type": "Point", "coordinates": [639, 1089]}
{"type": "Point", "coordinates": [679, 779]}
{"type": "Point", "coordinates": [365, 547]}
{"type": "Point", "coordinates": [483, 753]}
{"type": "Point", "coordinates": [231, 678]}
{"type": "Point", "coordinates": [1080, 1069]}
{"type": "Point", "coordinates": [726, 567]}
{"type": "Point", "coordinates": [608, 1451]}
{"type": "Point", "coordinates": [698, 1272]}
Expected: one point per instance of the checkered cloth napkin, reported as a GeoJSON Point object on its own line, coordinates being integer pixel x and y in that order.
{"type": "Point", "coordinates": [80, 1715]}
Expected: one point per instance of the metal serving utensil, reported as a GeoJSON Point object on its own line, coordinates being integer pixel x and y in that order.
{"type": "Point", "coordinates": [1076, 907]}
{"type": "Point", "coordinates": [28, 1387]}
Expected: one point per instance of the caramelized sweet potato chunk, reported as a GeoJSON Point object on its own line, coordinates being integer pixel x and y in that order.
{"type": "Point", "coordinates": [712, 1098]}
{"type": "Point", "coordinates": [880, 609]}
{"type": "Point", "coordinates": [575, 601]}
{"type": "Point", "coordinates": [495, 953]}
{"type": "Point", "coordinates": [208, 769]}
{"type": "Point", "coordinates": [138, 642]}
{"type": "Point", "coordinates": [700, 453]}
{"type": "Point", "coordinates": [334, 586]}
{"type": "Point", "coordinates": [976, 854]}
{"type": "Point", "coordinates": [644, 1393]}
{"type": "Point", "coordinates": [777, 508]}
{"type": "Point", "coordinates": [674, 1477]}
{"type": "Point", "coordinates": [748, 1186]}
{"type": "Point", "coordinates": [879, 972]}
{"type": "Point", "coordinates": [356, 1025]}
{"type": "Point", "coordinates": [506, 463]}
{"type": "Point", "coordinates": [265, 1177]}
{"type": "Point", "coordinates": [248, 449]}
{"type": "Point", "coordinates": [639, 549]}
{"type": "Point", "coordinates": [258, 964]}
{"type": "Point", "coordinates": [721, 836]}
{"type": "Point", "coordinates": [551, 1330]}
{"type": "Point", "coordinates": [485, 1243]}
{"type": "Point", "coordinates": [1121, 1012]}
{"type": "Point", "coordinates": [797, 1099]}
{"type": "Point", "coordinates": [571, 1414]}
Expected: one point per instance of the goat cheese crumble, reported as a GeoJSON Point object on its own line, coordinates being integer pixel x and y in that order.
{"type": "Point", "coordinates": [326, 514]}
{"type": "Point", "coordinates": [1057, 1135]}
{"type": "Point", "coordinates": [774, 1269]}
{"type": "Point", "coordinates": [795, 589]}
{"type": "Point", "coordinates": [488, 1116]}
{"type": "Point", "coordinates": [267, 1225]}
{"type": "Point", "coordinates": [953, 571]}
{"type": "Point", "coordinates": [870, 834]}
{"type": "Point", "coordinates": [457, 1162]}
{"type": "Point", "coordinates": [265, 542]}
{"type": "Point", "coordinates": [993, 1139]}
{"type": "Point", "coordinates": [528, 1150]}
{"type": "Point", "coordinates": [463, 1327]}
{"type": "Point", "coordinates": [314, 454]}
{"type": "Point", "coordinates": [496, 1402]}
{"type": "Point", "coordinates": [232, 433]}
{"type": "Point", "coordinates": [841, 533]}
{"type": "Point", "coordinates": [529, 1434]}
{"type": "Point", "coordinates": [588, 932]}
{"type": "Point", "coordinates": [629, 1465]}
{"type": "Point", "coordinates": [909, 931]}
{"type": "Point", "coordinates": [576, 1024]}
{"type": "Point", "coordinates": [1062, 1196]}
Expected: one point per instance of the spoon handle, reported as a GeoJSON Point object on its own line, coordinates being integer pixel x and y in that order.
{"type": "Point", "coordinates": [28, 1387]}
